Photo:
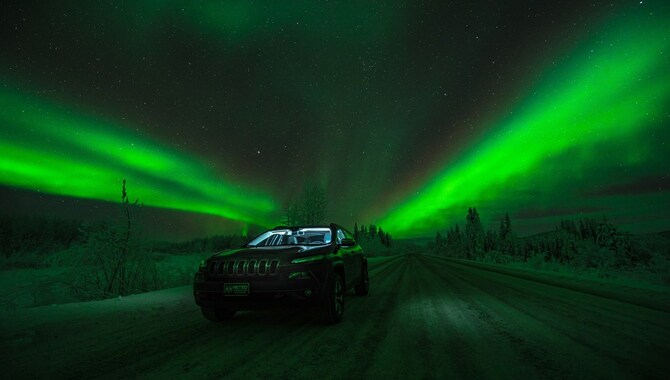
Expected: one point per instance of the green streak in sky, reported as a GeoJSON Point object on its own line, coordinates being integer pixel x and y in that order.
{"type": "Point", "coordinates": [606, 91]}
{"type": "Point", "coordinates": [47, 148]}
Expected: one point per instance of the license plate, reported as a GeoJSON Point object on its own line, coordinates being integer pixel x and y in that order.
{"type": "Point", "coordinates": [236, 289]}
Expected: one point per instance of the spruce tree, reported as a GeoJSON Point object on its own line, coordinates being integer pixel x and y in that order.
{"type": "Point", "coordinates": [438, 242]}
{"type": "Point", "coordinates": [474, 234]}
{"type": "Point", "coordinates": [372, 231]}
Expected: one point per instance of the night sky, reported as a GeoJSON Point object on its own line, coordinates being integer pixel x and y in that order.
{"type": "Point", "coordinates": [406, 112]}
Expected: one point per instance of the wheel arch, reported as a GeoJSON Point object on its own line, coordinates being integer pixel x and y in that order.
{"type": "Point", "coordinates": [339, 269]}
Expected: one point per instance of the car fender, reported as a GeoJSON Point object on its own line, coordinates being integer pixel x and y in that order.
{"type": "Point", "coordinates": [336, 263]}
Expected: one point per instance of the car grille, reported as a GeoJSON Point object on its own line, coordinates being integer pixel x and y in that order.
{"type": "Point", "coordinates": [252, 267]}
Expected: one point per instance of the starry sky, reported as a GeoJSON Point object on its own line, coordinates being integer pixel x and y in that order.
{"type": "Point", "coordinates": [405, 112]}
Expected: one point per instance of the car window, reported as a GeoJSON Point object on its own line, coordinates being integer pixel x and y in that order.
{"type": "Point", "coordinates": [340, 236]}
{"type": "Point", "coordinates": [302, 236]}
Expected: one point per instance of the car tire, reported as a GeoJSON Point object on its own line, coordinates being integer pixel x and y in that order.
{"type": "Point", "coordinates": [363, 287]}
{"type": "Point", "coordinates": [217, 314]}
{"type": "Point", "coordinates": [332, 302]}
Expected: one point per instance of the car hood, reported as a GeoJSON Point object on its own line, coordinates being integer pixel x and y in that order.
{"type": "Point", "coordinates": [288, 252]}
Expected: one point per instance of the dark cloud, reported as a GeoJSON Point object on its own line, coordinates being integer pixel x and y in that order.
{"type": "Point", "coordinates": [646, 185]}
{"type": "Point", "coordinates": [541, 213]}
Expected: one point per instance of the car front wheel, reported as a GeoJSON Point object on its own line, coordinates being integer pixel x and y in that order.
{"type": "Point", "coordinates": [332, 304]}
{"type": "Point", "coordinates": [363, 287]}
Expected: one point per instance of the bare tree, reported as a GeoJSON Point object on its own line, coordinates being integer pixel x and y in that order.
{"type": "Point", "coordinates": [308, 209]}
{"type": "Point", "coordinates": [115, 259]}
{"type": "Point", "coordinates": [291, 213]}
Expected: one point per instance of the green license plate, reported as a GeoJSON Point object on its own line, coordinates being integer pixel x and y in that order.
{"type": "Point", "coordinates": [236, 289]}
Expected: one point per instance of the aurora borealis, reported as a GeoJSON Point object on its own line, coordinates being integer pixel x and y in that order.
{"type": "Point", "coordinates": [406, 113]}
{"type": "Point", "coordinates": [614, 93]}
{"type": "Point", "coordinates": [75, 156]}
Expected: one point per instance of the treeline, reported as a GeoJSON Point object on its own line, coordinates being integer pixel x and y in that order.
{"type": "Point", "coordinates": [586, 243]}
{"type": "Point", "coordinates": [372, 233]}
{"type": "Point", "coordinates": [20, 235]}
{"type": "Point", "coordinates": [42, 236]}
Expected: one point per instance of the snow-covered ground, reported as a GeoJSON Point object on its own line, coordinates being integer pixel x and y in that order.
{"type": "Point", "coordinates": [617, 288]}
{"type": "Point", "coordinates": [52, 284]}
{"type": "Point", "coordinates": [425, 317]}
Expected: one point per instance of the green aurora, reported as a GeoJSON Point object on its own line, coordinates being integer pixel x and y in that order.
{"type": "Point", "coordinates": [604, 96]}
{"type": "Point", "coordinates": [55, 151]}
{"type": "Point", "coordinates": [407, 114]}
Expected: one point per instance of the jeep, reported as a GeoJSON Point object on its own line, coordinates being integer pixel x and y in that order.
{"type": "Point", "coordinates": [284, 267]}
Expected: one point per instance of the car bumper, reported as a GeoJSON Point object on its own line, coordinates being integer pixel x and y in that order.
{"type": "Point", "coordinates": [270, 293]}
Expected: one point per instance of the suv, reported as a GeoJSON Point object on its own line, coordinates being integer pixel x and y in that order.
{"type": "Point", "coordinates": [284, 266]}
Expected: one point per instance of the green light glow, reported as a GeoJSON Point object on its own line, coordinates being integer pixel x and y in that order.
{"type": "Point", "coordinates": [47, 148]}
{"type": "Point", "coordinates": [606, 92]}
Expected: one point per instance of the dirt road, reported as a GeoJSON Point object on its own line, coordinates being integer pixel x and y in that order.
{"type": "Point", "coordinates": [424, 318]}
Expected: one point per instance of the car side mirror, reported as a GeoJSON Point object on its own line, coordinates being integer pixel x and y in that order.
{"type": "Point", "coordinates": [348, 243]}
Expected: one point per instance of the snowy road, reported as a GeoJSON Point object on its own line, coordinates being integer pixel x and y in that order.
{"type": "Point", "coordinates": [424, 318]}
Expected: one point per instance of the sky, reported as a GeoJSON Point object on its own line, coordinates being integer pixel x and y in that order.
{"type": "Point", "coordinates": [405, 112]}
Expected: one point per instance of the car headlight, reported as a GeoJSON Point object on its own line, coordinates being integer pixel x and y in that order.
{"type": "Point", "coordinates": [203, 264]}
{"type": "Point", "coordinates": [307, 259]}
{"type": "Point", "coordinates": [299, 276]}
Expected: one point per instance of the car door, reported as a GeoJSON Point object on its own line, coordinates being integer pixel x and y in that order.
{"type": "Point", "coordinates": [357, 257]}
{"type": "Point", "coordinates": [347, 254]}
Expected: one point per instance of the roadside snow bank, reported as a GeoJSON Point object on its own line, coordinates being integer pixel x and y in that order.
{"type": "Point", "coordinates": [647, 295]}
{"type": "Point", "coordinates": [24, 323]}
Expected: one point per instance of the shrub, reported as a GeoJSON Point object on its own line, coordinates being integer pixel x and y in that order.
{"type": "Point", "coordinates": [107, 265]}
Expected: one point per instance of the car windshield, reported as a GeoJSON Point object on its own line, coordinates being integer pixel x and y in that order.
{"type": "Point", "coordinates": [300, 236]}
